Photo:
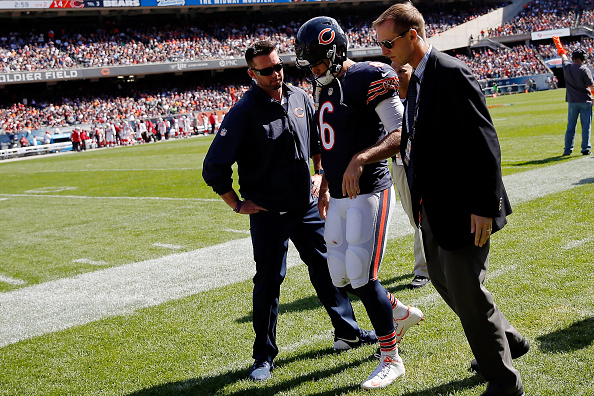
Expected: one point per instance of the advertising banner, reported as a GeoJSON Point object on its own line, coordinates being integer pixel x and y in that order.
{"type": "Point", "coordinates": [116, 71]}
{"type": "Point", "coordinates": [55, 4]}
{"type": "Point", "coordinates": [548, 34]}
{"type": "Point", "coordinates": [73, 4]}
{"type": "Point", "coordinates": [178, 3]}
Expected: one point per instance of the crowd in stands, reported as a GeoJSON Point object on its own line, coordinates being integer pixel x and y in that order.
{"type": "Point", "coordinates": [88, 109]}
{"type": "Point", "coordinates": [548, 51]}
{"type": "Point", "coordinates": [521, 60]}
{"type": "Point", "coordinates": [121, 133]}
{"type": "Point", "coordinates": [111, 45]}
{"type": "Point", "coordinates": [545, 15]}
{"type": "Point", "coordinates": [98, 109]}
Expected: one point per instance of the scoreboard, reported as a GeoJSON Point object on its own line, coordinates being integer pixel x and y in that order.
{"type": "Point", "coordinates": [74, 4]}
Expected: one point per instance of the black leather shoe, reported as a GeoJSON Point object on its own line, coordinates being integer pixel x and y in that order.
{"type": "Point", "coordinates": [517, 352]}
{"type": "Point", "coordinates": [261, 370]}
{"type": "Point", "coordinates": [587, 152]}
{"type": "Point", "coordinates": [418, 281]}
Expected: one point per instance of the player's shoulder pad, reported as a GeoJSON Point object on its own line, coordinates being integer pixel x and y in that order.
{"type": "Point", "coordinates": [383, 80]}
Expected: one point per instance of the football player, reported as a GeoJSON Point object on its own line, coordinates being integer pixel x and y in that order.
{"type": "Point", "coordinates": [359, 117]}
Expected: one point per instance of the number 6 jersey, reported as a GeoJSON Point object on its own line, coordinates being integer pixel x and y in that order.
{"type": "Point", "coordinates": [348, 123]}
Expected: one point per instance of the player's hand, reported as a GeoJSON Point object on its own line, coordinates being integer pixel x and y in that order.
{"type": "Point", "coordinates": [481, 227]}
{"type": "Point", "coordinates": [350, 179]}
{"type": "Point", "coordinates": [323, 202]}
{"type": "Point", "coordinates": [316, 182]}
{"type": "Point", "coordinates": [248, 207]}
{"type": "Point", "coordinates": [560, 49]}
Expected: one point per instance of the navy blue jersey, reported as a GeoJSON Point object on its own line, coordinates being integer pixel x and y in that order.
{"type": "Point", "coordinates": [348, 123]}
{"type": "Point", "coordinates": [271, 147]}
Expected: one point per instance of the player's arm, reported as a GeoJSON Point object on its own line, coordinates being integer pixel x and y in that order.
{"type": "Point", "coordinates": [390, 111]}
{"type": "Point", "coordinates": [324, 198]}
{"type": "Point", "coordinates": [316, 179]}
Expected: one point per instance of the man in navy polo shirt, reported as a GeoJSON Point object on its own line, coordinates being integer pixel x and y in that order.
{"type": "Point", "coordinates": [271, 136]}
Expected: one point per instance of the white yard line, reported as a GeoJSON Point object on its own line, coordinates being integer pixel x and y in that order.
{"type": "Point", "coordinates": [42, 195]}
{"type": "Point", "coordinates": [57, 305]}
{"type": "Point", "coordinates": [89, 261]}
{"type": "Point", "coordinates": [12, 281]}
{"type": "Point", "coordinates": [574, 244]}
{"type": "Point", "coordinates": [237, 231]}
{"type": "Point", "coordinates": [167, 246]}
{"type": "Point", "coordinates": [111, 170]}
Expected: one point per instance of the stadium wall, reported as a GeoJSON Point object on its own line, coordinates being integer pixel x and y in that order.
{"type": "Point", "coordinates": [458, 36]}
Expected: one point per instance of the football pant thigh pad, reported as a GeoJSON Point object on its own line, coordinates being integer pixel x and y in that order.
{"type": "Point", "coordinates": [333, 227]}
{"type": "Point", "coordinates": [358, 261]}
{"type": "Point", "coordinates": [337, 268]}
{"type": "Point", "coordinates": [359, 223]}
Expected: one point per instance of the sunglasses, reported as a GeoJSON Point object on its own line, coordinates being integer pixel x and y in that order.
{"type": "Point", "coordinates": [388, 43]}
{"type": "Point", "coordinates": [269, 70]}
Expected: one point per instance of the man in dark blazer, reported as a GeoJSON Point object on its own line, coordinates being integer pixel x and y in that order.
{"type": "Point", "coordinates": [453, 162]}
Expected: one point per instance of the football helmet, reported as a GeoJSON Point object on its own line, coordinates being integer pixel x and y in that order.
{"type": "Point", "coordinates": [318, 39]}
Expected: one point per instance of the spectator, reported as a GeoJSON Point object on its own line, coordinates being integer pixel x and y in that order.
{"type": "Point", "coordinates": [23, 141]}
{"type": "Point", "coordinates": [579, 98]}
{"type": "Point", "coordinates": [75, 138]}
{"type": "Point", "coordinates": [47, 138]}
{"type": "Point", "coordinates": [212, 121]}
{"type": "Point", "coordinates": [83, 139]}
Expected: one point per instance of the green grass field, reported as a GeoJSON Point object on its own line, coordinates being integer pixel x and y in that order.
{"type": "Point", "coordinates": [63, 217]}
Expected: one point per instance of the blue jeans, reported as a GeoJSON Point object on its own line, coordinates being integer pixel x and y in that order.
{"type": "Point", "coordinates": [584, 111]}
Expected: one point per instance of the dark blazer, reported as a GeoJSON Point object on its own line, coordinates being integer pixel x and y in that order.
{"type": "Point", "coordinates": [456, 154]}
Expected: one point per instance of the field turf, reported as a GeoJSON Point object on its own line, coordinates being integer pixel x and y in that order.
{"type": "Point", "coordinates": [65, 219]}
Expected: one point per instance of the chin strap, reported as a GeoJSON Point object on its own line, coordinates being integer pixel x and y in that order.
{"type": "Point", "coordinates": [341, 94]}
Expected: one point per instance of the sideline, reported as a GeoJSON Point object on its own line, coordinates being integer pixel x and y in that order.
{"type": "Point", "coordinates": [42, 195]}
{"type": "Point", "coordinates": [58, 305]}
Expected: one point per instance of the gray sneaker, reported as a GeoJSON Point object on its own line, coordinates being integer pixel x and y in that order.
{"type": "Point", "coordinates": [261, 370]}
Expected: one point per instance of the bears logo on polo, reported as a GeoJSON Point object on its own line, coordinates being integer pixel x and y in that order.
{"type": "Point", "coordinates": [328, 38]}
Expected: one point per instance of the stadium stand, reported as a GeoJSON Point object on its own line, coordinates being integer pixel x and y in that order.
{"type": "Point", "coordinates": [128, 39]}
{"type": "Point", "coordinates": [518, 61]}
{"type": "Point", "coordinates": [541, 15]}
{"type": "Point", "coordinates": [126, 43]}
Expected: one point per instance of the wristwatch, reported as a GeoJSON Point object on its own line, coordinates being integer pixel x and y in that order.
{"type": "Point", "coordinates": [319, 172]}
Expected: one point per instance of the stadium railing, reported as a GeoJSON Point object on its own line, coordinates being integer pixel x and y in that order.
{"type": "Point", "coordinates": [34, 150]}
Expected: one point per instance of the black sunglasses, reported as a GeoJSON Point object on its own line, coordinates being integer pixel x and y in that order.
{"type": "Point", "coordinates": [388, 43]}
{"type": "Point", "coordinates": [269, 70]}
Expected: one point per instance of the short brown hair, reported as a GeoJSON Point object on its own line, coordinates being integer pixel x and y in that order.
{"type": "Point", "coordinates": [261, 47]}
{"type": "Point", "coordinates": [404, 15]}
